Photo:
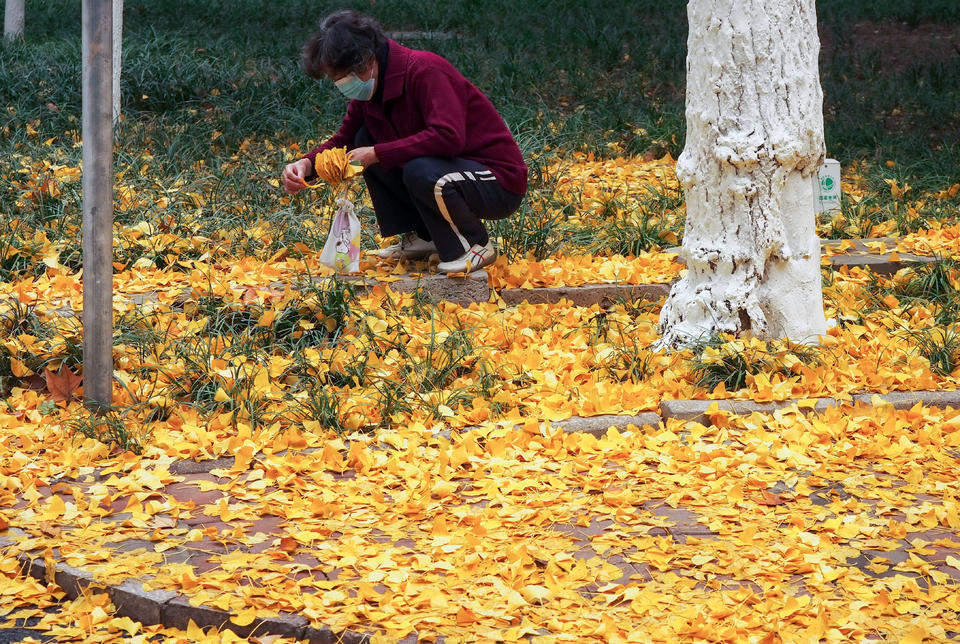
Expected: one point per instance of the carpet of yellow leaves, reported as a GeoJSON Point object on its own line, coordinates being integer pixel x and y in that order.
{"type": "Point", "coordinates": [552, 361]}
{"type": "Point", "coordinates": [783, 524]}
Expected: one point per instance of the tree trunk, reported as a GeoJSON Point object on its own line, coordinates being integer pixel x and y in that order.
{"type": "Point", "coordinates": [13, 13]}
{"type": "Point", "coordinates": [117, 50]}
{"type": "Point", "coordinates": [754, 139]}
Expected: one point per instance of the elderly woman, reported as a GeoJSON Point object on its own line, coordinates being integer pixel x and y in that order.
{"type": "Point", "coordinates": [437, 157]}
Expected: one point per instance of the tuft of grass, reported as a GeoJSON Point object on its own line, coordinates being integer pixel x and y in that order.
{"type": "Point", "coordinates": [931, 280]}
{"type": "Point", "coordinates": [540, 229]}
{"type": "Point", "coordinates": [651, 222]}
{"type": "Point", "coordinates": [321, 404]}
{"type": "Point", "coordinates": [627, 361]}
{"type": "Point", "coordinates": [434, 378]}
{"type": "Point", "coordinates": [318, 316]}
{"type": "Point", "coordinates": [108, 427]}
{"type": "Point", "coordinates": [728, 362]}
{"type": "Point", "coordinates": [941, 347]}
{"type": "Point", "coordinates": [17, 318]}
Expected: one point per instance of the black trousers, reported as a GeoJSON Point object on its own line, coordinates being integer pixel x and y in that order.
{"type": "Point", "coordinates": [440, 198]}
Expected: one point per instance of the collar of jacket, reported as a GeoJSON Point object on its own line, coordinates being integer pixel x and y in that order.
{"type": "Point", "coordinates": [398, 59]}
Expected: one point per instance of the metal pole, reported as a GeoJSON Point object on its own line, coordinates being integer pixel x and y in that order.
{"type": "Point", "coordinates": [13, 12]}
{"type": "Point", "coordinates": [97, 235]}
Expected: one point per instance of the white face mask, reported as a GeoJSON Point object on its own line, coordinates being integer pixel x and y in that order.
{"type": "Point", "coordinates": [353, 88]}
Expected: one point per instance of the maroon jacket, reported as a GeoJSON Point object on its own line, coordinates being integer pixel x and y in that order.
{"type": "Point", "coordinates": [427, 108]}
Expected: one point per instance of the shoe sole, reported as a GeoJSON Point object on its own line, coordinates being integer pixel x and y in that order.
{"type": "Point", "coordinates": [472, 268]}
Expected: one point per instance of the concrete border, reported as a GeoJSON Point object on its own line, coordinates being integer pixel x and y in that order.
{"type": "Point", "coordinates": [173, 609]}
{"type": "Point", "coordinates": [939, 398]}
{"type": "Point", "coordinates": [585, 295]}
{"type": "Point", "coordinates": [475, 287]}
{"type": "Point", "coordinates": [695, 410]}
{"type": "Point", "coordinates": [859, 255]}
{"type": "Point", "coordinates": [593, 425]}
{"type": "Point", "coordinates": [879, 264]}
{"type": "Point", "coordinates": [462, 290]}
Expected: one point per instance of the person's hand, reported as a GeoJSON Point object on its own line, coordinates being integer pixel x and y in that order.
{"type": "Point", "coordinates": [365, 156]}
{"type": "Point", "coordinates": [295, 175]}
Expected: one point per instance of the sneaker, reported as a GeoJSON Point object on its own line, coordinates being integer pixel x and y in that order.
{"type": "Point", "coordinates": [410, 246]}
{"type": "Point", "coordinates": [477, 257]}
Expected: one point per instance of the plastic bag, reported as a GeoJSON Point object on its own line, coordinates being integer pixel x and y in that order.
{"type": "Point", "coordinates": [342, 248]}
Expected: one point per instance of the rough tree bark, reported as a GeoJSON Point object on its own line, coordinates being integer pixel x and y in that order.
{"type": "Point", "coordinates": [13, 12]}
{"type": "Point", "coordinates": [754, 139]}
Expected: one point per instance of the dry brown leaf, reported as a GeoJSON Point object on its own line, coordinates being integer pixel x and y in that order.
{"type": "Point", "coordinates": [62, 384]}
{"type": "Point", "coordinates": [769, 498]}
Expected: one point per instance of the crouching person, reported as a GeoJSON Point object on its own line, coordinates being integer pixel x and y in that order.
{"type": "Point", "coordinates": [438, 159]}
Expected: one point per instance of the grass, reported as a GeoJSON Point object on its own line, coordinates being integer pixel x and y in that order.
{"type": "Point", "coordinates": [941, 347]}
{"type": "Point", "coordinates": [109, 427]}
{"type": "Point", "coordinates": [721, 361]}
{"type": "Point", "coordinates": [230, 67]}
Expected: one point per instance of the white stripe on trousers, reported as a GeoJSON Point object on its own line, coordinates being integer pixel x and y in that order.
{"type": "Point", "coordinates": [438, 195]}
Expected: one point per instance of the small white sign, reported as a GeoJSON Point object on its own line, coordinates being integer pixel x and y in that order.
{"type": "Point", "coordinates": [826, 189]}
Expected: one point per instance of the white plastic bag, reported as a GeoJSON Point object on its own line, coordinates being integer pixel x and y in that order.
{"type": "Point", "coordinates": [342, 248]}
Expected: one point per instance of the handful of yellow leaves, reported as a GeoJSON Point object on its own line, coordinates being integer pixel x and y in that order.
{"type": "Point", "coordinates": [334, 167]}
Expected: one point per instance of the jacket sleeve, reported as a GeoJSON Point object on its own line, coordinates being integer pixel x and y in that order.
{"type": "Point", "coordinates": [344, 137]}
{"type": "Point", "coordinates": [444, 114]}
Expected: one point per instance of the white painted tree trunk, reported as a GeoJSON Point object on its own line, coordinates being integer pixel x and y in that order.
{"type": "Point", "coordinates": [13, 19]}
{"type": "Point", "coordinates": [754, 138]}
{"type": "Point", "coordinates": [117, 50]}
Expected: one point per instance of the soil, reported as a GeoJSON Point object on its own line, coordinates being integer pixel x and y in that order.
{"type": "Point", "coordinates": [898, 45]}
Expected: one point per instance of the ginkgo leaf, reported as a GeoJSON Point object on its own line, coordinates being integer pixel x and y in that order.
{"type": "Point", "coordinates": [953, 562]}
{"type": "Point", "coordinates": [244, 617]}
{"type": "Point", "coordinates": [19, 369]}
{"type": "Point", "coordinates": [334, 167]}
{"type": "Point", "coordinates": [465, 617]}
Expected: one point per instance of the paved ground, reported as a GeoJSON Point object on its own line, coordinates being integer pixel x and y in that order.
{"type": "Point", "coordinates": [229, 538]}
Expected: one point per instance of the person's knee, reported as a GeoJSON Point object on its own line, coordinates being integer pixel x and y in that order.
{"type": "Point", "coordinates": [420, 175]}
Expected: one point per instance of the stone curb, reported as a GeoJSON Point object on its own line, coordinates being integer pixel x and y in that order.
{"type": "Point", "coordinates": [859, 256]}
{"type": "Point", "coordinates": [585, 295]}
{"type": "Point", "coordinates": [593, 425]}
{"type": "Point", "coordinates": [695, 410]}
{"type": "Point", "coordinates": [688, 410]}
{"type": "Point", "coordinates": [174, 610]}
{"type": "Point", "coordinates": [907, 399]}
{"type": "Point", "coordinates": [183, 467]}
{"type": "Point", "coordinates": [598, 425]}
{"type": "Point", "coordinates": [879, 264]}
{"type": "Point", "coordinates": [474, 287]}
